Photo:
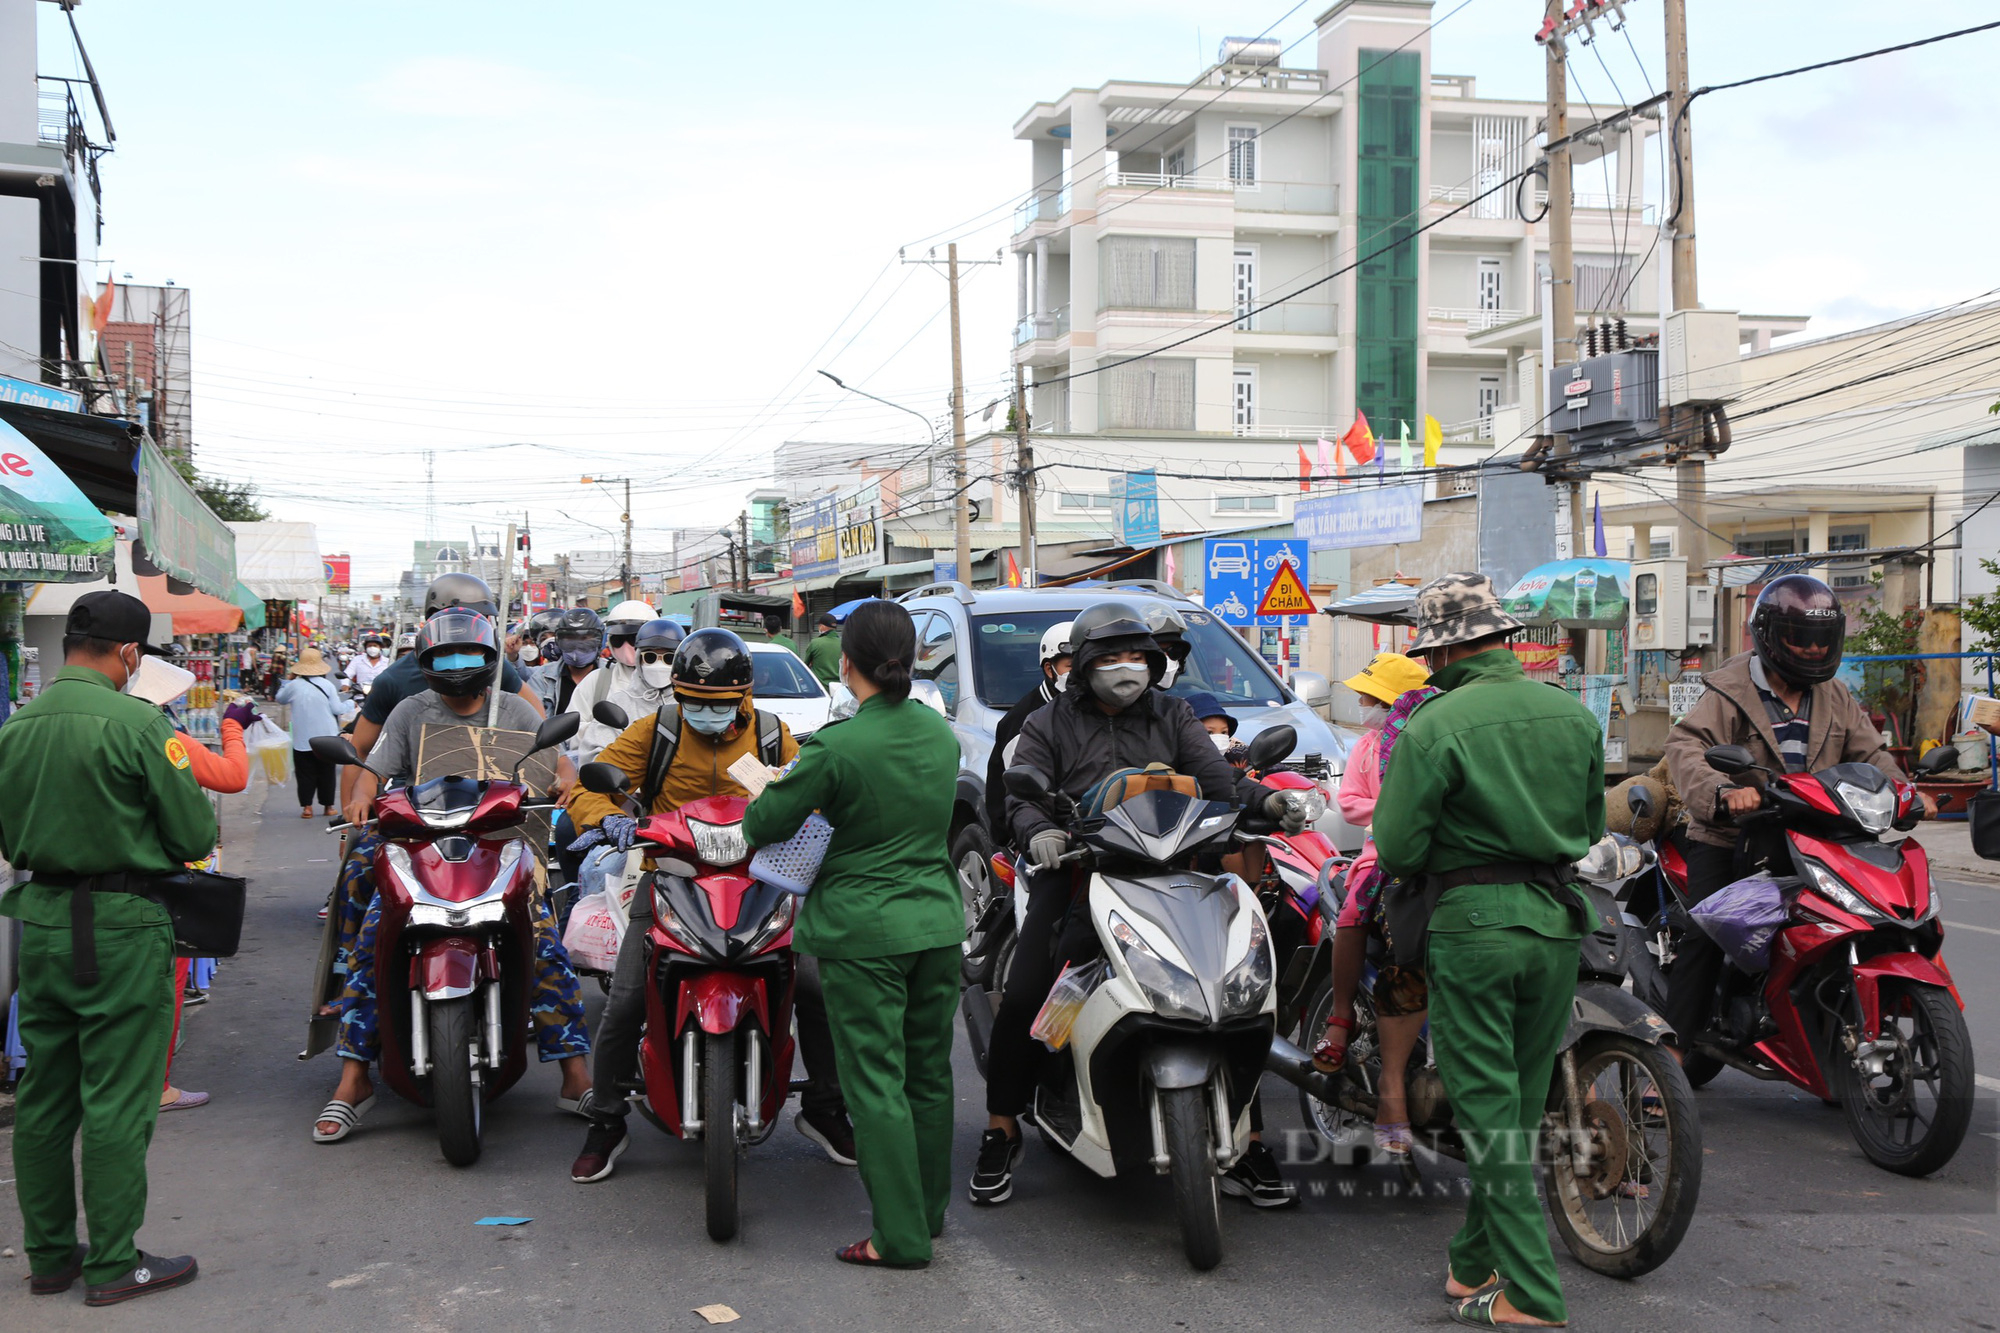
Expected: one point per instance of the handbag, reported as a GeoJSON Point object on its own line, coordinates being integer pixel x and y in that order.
{"type": "Point", "coordinates": [794, 864]}
{"type": "Point", "coordinates": [207, 911]}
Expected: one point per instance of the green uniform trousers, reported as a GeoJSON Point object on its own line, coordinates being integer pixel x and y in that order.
{"type": "Point", "coordinates": [96, 1058]}
{"type": "Point", "coordinates": [1500, 1004]}
{"type": "Point", "coordinates": [891, 1020]}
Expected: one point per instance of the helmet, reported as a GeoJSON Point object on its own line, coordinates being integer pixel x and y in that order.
{"type": "Point", "coordinates": [1798, 629]}
{"type": "Point", "coordinates": [1169, 629]}
{"type": "Point", "coordinates": [1055, 641]}
{"type": "Point", "coordinates": [406, 642]}
{"type": "Point", "coordinates": [542, 625]}
{"type": "Point", "coordinates": [660, 636]}
{"type": "Point", "coordinates": [466, 590]}
{"type": "Point", "coordinates": [712, 663]}
{"type": "Point", "coordinates": [623, 620]}
{"type": "Point", "coordinates": [456, 651]}
{"type": "Point", "coordinates": [579, 636]}
{"type": "Point", "coordinates": [1112, 627]}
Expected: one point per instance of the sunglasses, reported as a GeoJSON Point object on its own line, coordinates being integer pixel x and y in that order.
{"type": "Point", "coordinates": [623, 640]}
{"type": "Point", "coordinates": [654, 657]}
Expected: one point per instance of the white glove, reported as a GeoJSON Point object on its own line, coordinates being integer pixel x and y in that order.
{"type": "Point", "coordinates": [1046, 849]}
{"type": "Point", "coordinates": [1288, 808]}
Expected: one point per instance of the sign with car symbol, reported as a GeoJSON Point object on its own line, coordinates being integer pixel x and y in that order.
{"type": "Point", "coordinates": [1236, 572]}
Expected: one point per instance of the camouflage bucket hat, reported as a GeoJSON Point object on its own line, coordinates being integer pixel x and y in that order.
{"type": "Point", "coordinates": [1458, 608]}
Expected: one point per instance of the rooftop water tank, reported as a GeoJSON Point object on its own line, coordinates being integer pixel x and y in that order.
{"type": "Point", "coordinates": [1253, 51]}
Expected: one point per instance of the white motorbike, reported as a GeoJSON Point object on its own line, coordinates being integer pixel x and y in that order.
{"type": "Point", "coordinates": [1166, 1052]}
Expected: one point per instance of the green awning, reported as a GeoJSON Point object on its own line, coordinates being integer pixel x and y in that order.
{"type": "Point", "coordinates": [253, 607]}
{"type": "Point", "coordinates": [181, 537]}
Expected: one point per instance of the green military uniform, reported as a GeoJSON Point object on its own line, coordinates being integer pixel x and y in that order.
{"type": "Point", "coordinates": [92, 782]}
{"type": "Point", "coordinates": [1498, 769]}
{"type": "Point", "coordinates": [885, 921]}
{"type": "Point", "coordinates": [823, 656]}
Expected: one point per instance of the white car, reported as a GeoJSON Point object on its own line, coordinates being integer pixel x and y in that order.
{"type": "Point", "coordinates": [781, 683]}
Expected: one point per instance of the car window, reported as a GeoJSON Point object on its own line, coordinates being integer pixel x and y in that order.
{"type": "Point", "coordinates": [1221, 664]}
{"type": "Point", "coordinates": [782, 676]}
{"type": "Point", "coordinates": [1008, 656]}
{"type": "Point", "coordinates": [937, 655]}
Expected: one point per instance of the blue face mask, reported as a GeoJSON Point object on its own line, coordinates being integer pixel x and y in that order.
{"type": "Point", "coordinates": [709, 719]}
{"type": "Point", "coordinates": [456, 661]}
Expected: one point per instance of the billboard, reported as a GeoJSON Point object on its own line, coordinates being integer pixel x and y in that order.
{"type": "Point", "coordinates": [339, 572]}
{"type": "Point", "coordinates": [1375, 516]}
{"type": "Point", "coordinates": [837, 534]}
{"type": "Point", "coordinates": [1135, 508]}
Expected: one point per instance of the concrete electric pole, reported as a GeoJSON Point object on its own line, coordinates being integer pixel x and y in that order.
{"type": "Point", "coordinates": [961, 477]}
{"type": "Point", "coordinates": [1561, 313]}
{"type": "Point", "coordinates": [1691, 476]}
{"type": "Point", "coordinates": [1024, 464]}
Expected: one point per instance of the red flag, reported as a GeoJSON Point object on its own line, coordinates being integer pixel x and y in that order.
{"type": "Point", "coordinates": [1360, 441]}
{"type": "Point", "coordinates": [1305, 470]}
{"type": "Point", "coordinates": [100, 309]}
{"type": "Point", "coordinates": [798, 606]}
{"type": "Point", "coordinates": [1013, 571]}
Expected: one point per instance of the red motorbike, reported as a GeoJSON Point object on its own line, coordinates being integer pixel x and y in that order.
{"type": "Point", "coordinates": [456, 882]}
{"type": "Point", "coordinates": [717, 1054]}
{"type": "Point", "coordinates": [1858, 1006]}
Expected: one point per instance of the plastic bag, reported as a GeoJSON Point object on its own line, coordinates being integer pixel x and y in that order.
{"type": "Point", "coordinates": [592, 938]}
{"type": "Point", "coordinates": [1053, 1025]}
{"type": "Point", "coordinates": [793, 864]}
{"type": "Point", "coordinates": [1742, 918]}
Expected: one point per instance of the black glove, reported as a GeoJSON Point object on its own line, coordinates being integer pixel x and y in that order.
{"type": "Point", "coordinates": [1288, 808]}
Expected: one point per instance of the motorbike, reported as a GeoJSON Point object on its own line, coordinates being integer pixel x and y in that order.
{"type": "Point", "coordinates": [715, 1062]}
{"type": "Point", "coordinates": [1166, 1052]}
{"type": "Point", "coordinates": [1857, 1006]}
{"type": "Point", "coordinates": [1620, 1135]}
{"type": "Point", "coordinates": [456, 882]}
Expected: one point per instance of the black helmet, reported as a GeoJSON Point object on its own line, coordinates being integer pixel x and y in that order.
{"type": "Point", "coordinates": [1798, 629]}
{"type": "Point", "coordinates": [579, 637]}
{"type": "Point", "coordinates": [456, 651]}
{"type": "Point", "coordinates": [1112, 627]}
{"type": "Point", "coordinates": [542, 625]}
{"type": "Point", "coordinates": [466, 590]}
{"type": "Point", "coordinates": [712, 663]}
{"type": "Point", "coordinates": [1169, 629]}
{"type": "Point", "coordinates": [660, 636]}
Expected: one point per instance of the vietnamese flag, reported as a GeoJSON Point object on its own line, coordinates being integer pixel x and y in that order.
{"type": "Point", "coordinates": [1013, 571]}
{"type": "Point", "coordinates": [1305, 470]}
{"type": "Point", "coordinates": [1360, 441]}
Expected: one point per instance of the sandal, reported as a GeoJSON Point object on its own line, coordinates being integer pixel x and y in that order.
{"type": "Point", "coordinates": [185, 1101]}
{"type": "Point", "coordinates": [1477, 1312]}
{"type": "Point", "coordinates": [857, 1253]}
{"type": "Point", "coordinates": [1329, 1055]}
{"type": "Point", "coordinates": [1471, 1292]}
{"type": "Point", "coordinates": [346, 1115]}
{"type": "Point", "coordinates": [1394, 1139]}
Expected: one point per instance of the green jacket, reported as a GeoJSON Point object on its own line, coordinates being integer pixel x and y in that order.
{"type": "Point", "coordinates": [94, 781]}
{"type": "Point", "coordinates": [822, 656]}
{"type": "Point", "coordinates": [884, 779]}
{"type": "Point", "coordinates": [1497, 768]}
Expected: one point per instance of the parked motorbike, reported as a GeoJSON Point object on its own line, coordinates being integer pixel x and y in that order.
{"type": "Point", "coordinates": [1858, 1006]}
{"type": "Point", "coordinates": [716, 1059]}
{"type": "Point", "coordinates": [456, 882]}
{"type": "Point", "coordinates": [1166, 1052]}
{"type": "Point", "coordinates": [1621, 1138]}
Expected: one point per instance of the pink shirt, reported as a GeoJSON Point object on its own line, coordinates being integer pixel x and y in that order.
{"type": "Point", "coordinates": [1360, 785]}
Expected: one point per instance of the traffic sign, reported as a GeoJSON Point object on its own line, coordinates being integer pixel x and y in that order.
{"type": "Point", "coordinates": [1286, 596]}
{"type": "Point", "coordinates": [1235, 569]}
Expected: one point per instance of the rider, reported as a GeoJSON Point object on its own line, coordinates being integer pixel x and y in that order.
{"type": "Point", "coordinates": [681, 753]}
{"type": "Point", "coordinates": [622, 624]}
{"type": "Point", "coordinates": [652, 685]}
{"type": "Point", "coordinates": [1169, 630]}
{"type": "Point", "coordinates": [1781, 702]}
{"type": "Point", "coordinates": [1108, 717]}
{"type": "Point", "coordinates": [372, 662]}
{"type": "Point", "coordinates": [1055, 674]}
{"type": "Point", "coordinates": [577, 654]}
{"type": "Point", "coordinates": [456, 652]}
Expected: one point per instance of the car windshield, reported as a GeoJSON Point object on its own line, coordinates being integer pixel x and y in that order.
{"type": "Point", "coordinates": [782, 676]}
{"type": "Point", "coordinates": [1009, 660]}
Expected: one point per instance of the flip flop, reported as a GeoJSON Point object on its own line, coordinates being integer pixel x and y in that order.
{"type": "Point", "coordinates": [578, 1106]}
{"type": "Point", "coordinates": [185, 1101]}
{"type": "Point", "coordinates": [347, 1117]}
{"type": "Point", "coordinates": [1490, 1284]}
{"type": "Point", "coordinates": [1477, 1312]}
{"type": "Point", "coordinates": [857, 1253]}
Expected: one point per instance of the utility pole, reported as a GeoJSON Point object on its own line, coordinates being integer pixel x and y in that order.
{"type": "Point", "coordinates": [743, 536]}
{"type": "Point", "coordinates": [1561, 312]}
{"type": "Point", "coordinates": [627, 576]}
{"type": "Point", "coordinates": [506, 597]}
{"type": "Point", "coordinates": [1024, 464]}
{"type": "Point", "coordinates": [960, 474]}
{"type": "Point", "coordinates": [1691, 476]}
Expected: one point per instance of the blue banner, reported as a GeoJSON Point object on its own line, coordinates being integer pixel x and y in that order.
{"type": "Point", "coordinates": [1236, 572]}
{"type": "Point", "coordinates": [1135, 508]}
{"type": "Point", "coordinates": [39, 395]}
{"type": "Point", "coordinates": [1374, 516]}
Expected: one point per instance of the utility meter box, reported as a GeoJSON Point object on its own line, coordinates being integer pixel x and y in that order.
{"type": "Point", "coordinates": [1659, 605]}
{"type": "Point", "coordinates": [1701, 615]}
{"type": "Point", "coordinates": [1700, 357]}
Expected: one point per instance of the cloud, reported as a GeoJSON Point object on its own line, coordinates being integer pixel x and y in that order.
{"type": "Point", "coordinates": [463, 87]}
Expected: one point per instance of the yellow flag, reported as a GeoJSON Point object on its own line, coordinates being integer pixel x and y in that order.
{"type": "Point", "coordinates": [1433, 437]}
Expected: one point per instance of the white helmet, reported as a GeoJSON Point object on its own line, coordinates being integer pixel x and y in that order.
{"type": "Point", "coordinates": [629, 614]}
{"type": "Point", "coordinates": [1055, 641]}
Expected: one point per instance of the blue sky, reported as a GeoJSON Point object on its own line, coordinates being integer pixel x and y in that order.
{"type": "Point", "coordinates": [615, 234]}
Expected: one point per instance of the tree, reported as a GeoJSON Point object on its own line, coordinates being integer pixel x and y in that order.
{"type": "Point", "coordinates": [230, 502]}
{"type": "Point", "coordinates": [1981, 611]}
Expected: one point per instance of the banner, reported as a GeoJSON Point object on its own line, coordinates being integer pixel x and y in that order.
{"type": "Point", "coordinates": [1135, 508]}
{"type": "Point", "coordinates": [535, 596]}
{"type": "Point", "coordinates": [1537, 656]}
{"type": "Point", "coordinates": [49, 531]}
{"type": "Point", "coordinates": [182, 538]}
{"type": "Point", "coordinates": [1375, 516]}
{"type": "Point", "coordinates": [339, 572]}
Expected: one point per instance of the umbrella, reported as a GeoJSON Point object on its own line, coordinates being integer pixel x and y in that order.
{"type": "Point", "coordinates": [1388, 604]}
{"type": "Point", "coordinates": [846, 609]}
{"type": "Point", "coordinates": [1576, 594]}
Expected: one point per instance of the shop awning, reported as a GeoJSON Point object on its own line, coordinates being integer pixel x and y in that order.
{"type": "Point", "coordinates": [97, 453]}
{"type": "Point", "coordinates": [194, 612]}
{"type": "Point", "coordinates": [179, 535]}
{"type": "Point", "coordinates": [253, 607]}
{"type": "Point", "coordinates": [50, 532]}
{"type": "Point", "coordinates": [280, 561]}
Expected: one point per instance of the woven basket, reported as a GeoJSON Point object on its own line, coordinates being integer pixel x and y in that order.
{"type": "Point", "coordinates": [793, 864]}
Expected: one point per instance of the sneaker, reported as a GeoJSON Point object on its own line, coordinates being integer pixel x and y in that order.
{"type": "Point", "coordinates": [993, 1177]}
{"type": "Point", "coordinates": [602, 1147]}
{"type": "Point", "coordinates": [1255, 1178]}
{"type": "Point", "coordinates": [831, 1132]}
{"type": "Point", "coordinates": [150, 1274]}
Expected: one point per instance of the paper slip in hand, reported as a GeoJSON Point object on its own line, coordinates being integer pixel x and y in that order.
{"type": "Point", "coordinates": [753, 773]}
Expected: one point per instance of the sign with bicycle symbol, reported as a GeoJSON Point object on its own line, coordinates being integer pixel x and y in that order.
{"type": "Point", "coordinates": [1237, 572]}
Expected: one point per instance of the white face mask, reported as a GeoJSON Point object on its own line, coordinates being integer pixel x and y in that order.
{"type": "Point", "coordinates": [1374, 715]}
{"type": "Point", "coordinates": [373, 652]}
{"type": "Point", "coordinates": [1061, 682]}
{"type": "Point", "coordinates": [657, 676]}
{"type": "Point", "coordinates": [132, 671]}
{"type": "Point", "coordinates": [1223, 740]}
{"type": "Point", "coordinates": [1168, 676]}
{"type": "Point", "coordinates": [529, 654]}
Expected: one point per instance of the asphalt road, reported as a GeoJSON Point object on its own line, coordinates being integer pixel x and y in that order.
{"type": "Point", "coordinates": [1795, 1228]}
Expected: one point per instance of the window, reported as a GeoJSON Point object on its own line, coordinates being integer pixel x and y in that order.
{"type": "Point", "coordinates": [1146, 272]}
{"type": "Point", "coordinates": [1243, 398]}
{"type": "Point", "coordinates": [937, 657]}
{"type": "Point", "coordinates": [1767, 545]}
{"type": "Point", "coordinates": [1246, 287]}
{"type": "Point", "coordinates": [1246, 504]}
{"type": "Point", "coordinates": [1176, 163]}
{"type": "Point", "coordinates": [1006, 651]}
{"type": "Point", "coordinates": [1489, 396]}
{"type": "Point", "coordinates": [1074, 500]}
{"type": "Point", "coordinates": [1243, 155]}
{"type": "Point", "coordinates": [780, 675]}
{"type": "Point", "coordinates": [1489, 283]}
{"type": "Point", "coordinates": [1154, 394]}
{"type": "Point", "coordinates": [1660, 547]}
{"type": "Point", "coordinates": [1847, 573]}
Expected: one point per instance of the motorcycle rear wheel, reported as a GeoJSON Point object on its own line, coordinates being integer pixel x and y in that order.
{"type": "Point", "coordinates": [1191, 1164]}
{"type": "Point", "coordinates": [1884, 1119]}
{"type": "Point", "coordinates": [1630, 1215]}
{"type": "Point", "coordinates": [718, 1131]}
{"type": "Point", "coordinates": [456, 1099]}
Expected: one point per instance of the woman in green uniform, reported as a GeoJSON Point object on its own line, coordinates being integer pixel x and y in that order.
{"type": "Point", "coordinates": [884, 920]}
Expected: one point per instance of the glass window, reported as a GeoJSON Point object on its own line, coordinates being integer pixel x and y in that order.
{"type": "Point", "coordinates": [1077, 500]}
{"type": "Point", "coordinates": [937, 656]}
{"type": "Point", "coordinates": [1244, 401]}
{"type": "Point", "coordinates": [1146, 272]}
{"type": "Point", "coordinates": [1008, 655]}
{"type": "Point", "coordinates": [1243, 154]}
{"type": "Point", "coordinates": [1246, 504]}
{"type": "Point", "coordinates": [782, 676]}
{"type": "Point", "coordinates": [1154, 394]}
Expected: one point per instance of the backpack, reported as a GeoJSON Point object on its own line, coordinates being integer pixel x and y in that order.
{"type": "Point", "coordinates": [667, 739]}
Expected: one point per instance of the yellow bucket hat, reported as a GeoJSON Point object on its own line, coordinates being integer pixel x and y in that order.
{"type": "Point", "coordinates": [1388, 677]}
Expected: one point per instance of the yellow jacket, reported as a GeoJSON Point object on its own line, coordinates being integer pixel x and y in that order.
{"type": "Point", "coordinates": [700, 767]}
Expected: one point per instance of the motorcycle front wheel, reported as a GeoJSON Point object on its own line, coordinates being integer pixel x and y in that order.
{"type": "Point", "coordinates": [456, 1098]}
{"type": "Point", "coordinates": [718, 1130]}
{"type": "Point", "coordinates": [1625, 1215]}
{"type": "Point", "coordinates": [1191, 1164]}
{"type": "Point", "coordinates": [1911, 1118]}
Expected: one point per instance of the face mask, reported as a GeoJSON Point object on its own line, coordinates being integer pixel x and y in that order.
{"type": "Point", "coordinates": [577, 658]}
{"type": "Point", "coordinates": [1062, 682]}
{"type": "Point", "coordinates": [529, 654]}
{"type": "Point", "coordinates": [1374, 715]}
{"type": "Point", "coordinates": [625, 654]}
{"type": "Point", "coordinates": [131, 672]}
{"type": "Point", "coordinates": [1223, 740]}
{"type": "Point", "coordinates": [709, 719]}
{"type": "Point", "coordinates": [373, 652]}
{"type": "Point", "coordinates": [1172, 672]}
{"type": "Point", "coordinates": [658, 676]}
{"type": "Point", "coordinates": [1120, 683]}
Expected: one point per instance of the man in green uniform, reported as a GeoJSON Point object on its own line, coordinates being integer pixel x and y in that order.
{"type": "Point", "coordinates": [95, 797]}
{"type": "Point", "coordinates": [823, 653]}
{"type": "Point", "coordinates": [1496, 787]}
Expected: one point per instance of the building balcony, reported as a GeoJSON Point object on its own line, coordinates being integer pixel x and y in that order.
{"type": "Point", "coordinates": [1051, 325]}
{"type": "Point", "coordinates": [1305, 318]}
{"type": "Point", "coordinates": [1040, 208]}
{"type": "Point", "coordinates": [1444, 319]}
{"type": "Point", "coordinates": [1469, 432]}
{"type": "Point", "coordinates": [1154, 180]}
{"type": "Point", "coordinates": [1267, 431]}
{"type": "Point", "coordinates": [1288, 197]}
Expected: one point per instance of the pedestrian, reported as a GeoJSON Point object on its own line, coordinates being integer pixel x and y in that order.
{"type": "Point", "coordinates": [1497, 787]}
{"type": "Point", "coordinates": [885, 922]}
{"type": "Point", "coordinates": [823, 653]}
{"type": "Point", "coordinates": [95, 799]}
{"type": "Point", "coordinates": [317, 710]}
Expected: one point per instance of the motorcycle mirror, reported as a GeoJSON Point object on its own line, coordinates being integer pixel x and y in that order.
{"type": "Point", "coordinates": [604, 779]}
{"type": "Point", "coordinates": [1273, 746]}
{"type": "Point", "coordinates": [610, 714]}
{"type": "Point", "coordinates": [1027, 784]}
{"type": "Point", "coordinates": [1939, 759]}
{"type": "Point", "coordinates": [1640, 801]}
{"type": "Point", "coordinates": [335, 750]}
{"type": "Point", "coordinates": [1732, 760]}
{"type": "Point", "coordinates": [555, 730]}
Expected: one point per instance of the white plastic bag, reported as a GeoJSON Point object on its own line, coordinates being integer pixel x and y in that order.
{"type": "Point", "coordinates": [592, 938]}
{"type": "Point", "coordinates": [793, 864]}
{"type": "Point", "coordinates": [1057, 1019]}
{"type": "Point", "coordinates": [273, 748]}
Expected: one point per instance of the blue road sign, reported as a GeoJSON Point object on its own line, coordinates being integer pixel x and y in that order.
{"type": "Point", "coordinates": [1236, 571]}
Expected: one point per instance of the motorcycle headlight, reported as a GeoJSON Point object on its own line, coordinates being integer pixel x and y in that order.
{"type": "Point", "coordinates": [719, 844]}
{"type": "Point", "coordinates": [1245, 985]}
{"type": "Point", "coordinates": [1873, 810]}
{"type": "Point", "coordinates": [1174, 991]}
{"type": "Point", "coordinates": [1828, 886]}
{"type": "Point", "coordinates": [773, 925]}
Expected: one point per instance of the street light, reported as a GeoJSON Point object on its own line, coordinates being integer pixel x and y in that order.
{"type": "Point", "coordinates": [961, 518]}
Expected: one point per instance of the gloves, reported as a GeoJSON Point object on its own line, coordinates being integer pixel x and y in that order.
{"type": "Point", "coordinates": [619, 830]}
{"type": "Point", "coordinates": [1288, 809]}
{"type": "Point", "coordinates": [242, 713]}
{"type": "Point", "coordinates": [1046, 848]}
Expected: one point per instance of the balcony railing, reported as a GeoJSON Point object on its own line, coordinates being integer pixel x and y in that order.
{"type": "Point", "coordinates": [1579, 199]}
{"type": "Point", "coordinates": [1468, 432]}
{"type": "Point", "coordinates": [1040, 208]}
{"type": "Point", "coordinates": [1267, 431]}
{"type": "Point", "coordinates": [1475, 321]}
{"type": "Point", "coordinates": [1299, 317]}
{"type": "Point", "coordinates": [1288, 197]}
{"type": "Point", "coordinates": [1154, 180]}
{"type": "Point", "coordinates": [1052, 325]}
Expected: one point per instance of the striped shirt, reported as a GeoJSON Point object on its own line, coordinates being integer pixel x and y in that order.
{"type": "Point", "coordinates": [1793, 730]}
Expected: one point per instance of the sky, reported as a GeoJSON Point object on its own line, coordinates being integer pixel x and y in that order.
{"type": "Point", "coordinates": [537, 242]}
